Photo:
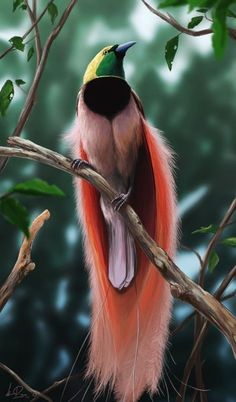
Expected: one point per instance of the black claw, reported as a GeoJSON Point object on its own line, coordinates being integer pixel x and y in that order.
{"type": "Point", "coordinates": [80, 163]}
{"type": "Point", "coordinates": [119, 201]}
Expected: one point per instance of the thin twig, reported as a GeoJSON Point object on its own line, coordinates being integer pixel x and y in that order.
{"type": "Point", "coordinates": [24, 264]}
{"type": "Point", "coordinates": [225, 283]}
{"type": "Point", "coordinates": [33, 18]}
{"type": "Point", "coordinates": [30, 100]}
{"type": "Point", "coordinates": [215, 238]}
{"type": "Point", "coordinates": [182, 324]}
{"type": "Point", "coordinates": [172, 21]}
{"type": "Point", "coordinates": [19, 380]}
{"type": "Point", "coordinates": [199, 322]}
{"type": "Point", "coordinates": [55, 385]}
{"type": "Point", "coordinates": [195, 354]}
{"type": "Point", "coordinates": [190, 363]}
{"type": "Point", "coordinates": [218, 294]}
{"type": "Point", "coordinates": [229, 296]}
{"type": "Point", "coordinates": [181, 286]}
{"type": "Point", "coordinates": [193, 251]}
{"type": "Point", "coordinates": [28, 31]}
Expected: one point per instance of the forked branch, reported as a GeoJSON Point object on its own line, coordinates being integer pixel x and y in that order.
{"type": "Point", "coordinates": [24, 264]}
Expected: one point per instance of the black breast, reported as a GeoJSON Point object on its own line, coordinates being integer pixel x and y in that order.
{"type": "Point", "coordinates": [107, 95]}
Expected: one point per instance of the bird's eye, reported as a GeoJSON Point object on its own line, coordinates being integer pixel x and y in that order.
{"type": "Point", "coordinates": [105, 52]}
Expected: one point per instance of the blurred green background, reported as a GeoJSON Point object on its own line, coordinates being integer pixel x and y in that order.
{"type": "Point", "coordinates": [44, 324]}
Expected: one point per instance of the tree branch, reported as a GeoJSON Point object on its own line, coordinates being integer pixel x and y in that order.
{"type": "Point", "coordinates": [32, 93]}
{"type": "Point", "coordinates": [218, 294]}
{"type": "Point", "coordinates": [214, 240]}
{"type": "Point", "coordinates": [201, 333]}
{"type": "Point", "coordinates": [229, 296]}
{"type": "Point", "coordinates": [56, 385]}
{"type": "Point", "coordinates": [28, 31]}
{"type": "Point", "coordinates": [172, 21]}
{"type": "Point", "coordinates": [30, 100]}
{"type": "Point", "coordinates": [24, 264]}
{"type": "Point", "coordinates": [195, 358]}
{"type": "Point", "coordinates": [33, 18]}
{"type": "Point", "coordinates": [181, 286]}
{"type": "Point", "coordinates": [32, 391]}
{"type": "Point", "coordinates": [226, 281]}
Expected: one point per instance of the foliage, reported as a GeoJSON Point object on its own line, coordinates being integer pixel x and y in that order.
{"type": "Point", "coordinates": [217, 12]}
{"type": "Point", "coordinates": [171, 49]}
{"type": "Point", "coordinates": [13, 210]}
{"type": "Point", "coordinates": [206, 229]}
{"type": "Point", "coordinates": [6, 96]}
{"type": "Point", "coordinates": [17, 42]}
{"type": "Point", "coordinates": [213, 261]}
{"type": "Point", "coordinates": [53, 12]}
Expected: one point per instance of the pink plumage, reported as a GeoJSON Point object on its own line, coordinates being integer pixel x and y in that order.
{"type": "Point", "coordinates": [131, 301]}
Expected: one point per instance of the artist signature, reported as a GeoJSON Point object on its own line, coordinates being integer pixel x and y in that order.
{"type": "Point", "coordinates": [16, 392]}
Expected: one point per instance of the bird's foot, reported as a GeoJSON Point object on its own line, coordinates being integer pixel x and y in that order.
{"type": "Point", "coordinates": [120, 200]}
{"type": "Point", "coordinates": [80, 163]}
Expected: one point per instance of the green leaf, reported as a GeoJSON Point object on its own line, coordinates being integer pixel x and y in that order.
{"type": "Point", "coordinates": [213, 261]}
{"type": "Point", "coordinates": [231, 14]}
{"type": "Point", "coordinates": [201, 3]}
{"type": "Point", "coordinates": [53, 11]}
{"type": "Point", "coordinates": [16, 4]}
{"type": "Point", "coordinates": [6, 96]}
{"type": "Point", "coordinates": [30, 53]}
{"type": "Point", "coordinates": [194, 22]}
{"type": "Point", "coordinates": [206, 229]}
{"type": "Point", "coordinates": [202, 10]}
{"type": "Point", "coordinates": [17, 42]}
{"type": "Point", "coordinates": [230, 241]}
{"type": "Point", "coordinates": [170, 50]}
{"type": "Point", "coordinates": [37, 187]}
{"type": "Point", "coordinates": [14, 212]}
{"type": "Point", "coordinates": [219, 28]}
{"type": "Point", "coordinates": [171, 3]}
{"type": "Point", "coordinates": [20, 82]}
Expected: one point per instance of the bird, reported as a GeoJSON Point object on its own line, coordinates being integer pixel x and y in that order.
{"type": "Point", "coordinates": [131, 302]}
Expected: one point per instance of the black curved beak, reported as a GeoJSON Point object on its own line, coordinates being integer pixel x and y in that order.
{"type": "Point", "coordinates": [122, 49]}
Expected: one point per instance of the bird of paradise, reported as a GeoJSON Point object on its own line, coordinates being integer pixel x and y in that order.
{"type": "Point", "coordinates": [131, 301]}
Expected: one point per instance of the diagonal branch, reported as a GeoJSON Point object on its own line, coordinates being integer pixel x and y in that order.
{"type": "Point", "coordinates": [218, 294]}
{"type": "Point", "coordinates": [24, 264]}
{"type": "Point", "coordinates": [33, 392]}
{"type": "Point", "coordinates": [182, 287]}
{"type": "Point", "coordinates": [10, 48]}
{"type": "Point", "coordinates": [214, 240]}
{"type": "Point", "coordinates": [226, 281]}
{"type": "Point", "coordinates": [172, 21]}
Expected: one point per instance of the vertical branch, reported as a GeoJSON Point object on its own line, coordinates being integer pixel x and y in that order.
{"type": "Point", "coordinates": [33, 90]}
{"type": "Point", "coordinates": [33, 18]}
{"type": "Point", "coordinates": [30, 100]}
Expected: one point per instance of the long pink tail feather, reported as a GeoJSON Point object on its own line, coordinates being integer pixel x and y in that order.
{"type": "Point", "coordinates": [129, 334]}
